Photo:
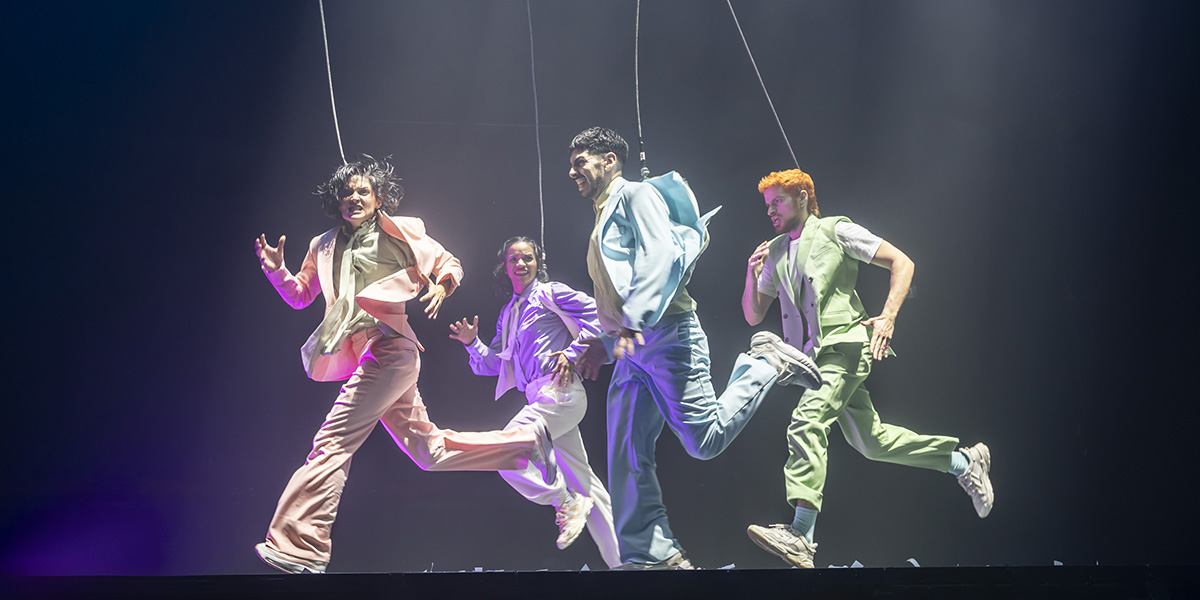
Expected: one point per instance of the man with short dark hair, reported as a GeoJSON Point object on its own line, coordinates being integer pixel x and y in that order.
{"type": "Point", "coordinates": [641, 254]}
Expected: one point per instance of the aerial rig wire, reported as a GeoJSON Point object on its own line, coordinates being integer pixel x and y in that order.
{"type": "Point", "coordinates": [760, 81]}
{"type": "Point", "coordinates": [329, 71]}
{"type": "Point", "coordinates": [637, 95]}
{"type": "Point", "coordinates": [537, 134]}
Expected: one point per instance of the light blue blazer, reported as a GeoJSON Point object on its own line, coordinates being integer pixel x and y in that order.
{"type": "Point", "coordinates": [651, 234]}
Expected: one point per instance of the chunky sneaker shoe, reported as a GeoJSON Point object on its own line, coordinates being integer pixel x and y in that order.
{"type": "Point", "coordinates": [542, 456]}
{"type": "Point", "coordinates": [795, 367]}
{"type": "Point", "coordinates": [976, 480]}
{"type": "Point", "coordinates": [784, 542]}
{"type": "Point", "coordinates": [288, 564]}
{"type": "Point", "coordinates": [570, 518]}
{"type": "Point", "coordinates": [677, 562]}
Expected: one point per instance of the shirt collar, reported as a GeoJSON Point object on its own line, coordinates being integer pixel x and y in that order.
{"type": "Point", "coordinates": [368, 226]}
{"type": "Point", "coordinates": [602, 200]}
{"type": "Point", "coordinates": [523, 296]}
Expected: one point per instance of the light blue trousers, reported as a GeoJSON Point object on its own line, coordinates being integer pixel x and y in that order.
{"type": "Point", "coordinates": [667, 381]}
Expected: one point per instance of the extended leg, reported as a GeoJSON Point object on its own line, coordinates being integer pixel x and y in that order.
{"type": "Point", "coordinates": [676, 358]}
{"type": "Point", "coordinates": [306, 510]}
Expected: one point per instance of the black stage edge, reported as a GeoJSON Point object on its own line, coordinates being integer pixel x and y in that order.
{"type": "Point", "coordinates": [1128, 582]}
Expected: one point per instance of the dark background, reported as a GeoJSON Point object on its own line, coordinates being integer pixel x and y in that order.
{"type": "Point", "coordinates": [1037, 160]}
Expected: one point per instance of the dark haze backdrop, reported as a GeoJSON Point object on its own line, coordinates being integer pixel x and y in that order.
{"type": "Point", "coordinates": [1037, 160]}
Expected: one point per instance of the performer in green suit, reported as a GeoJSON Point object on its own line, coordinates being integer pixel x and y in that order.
{"type": "Point", "coordinates": [812, 267]}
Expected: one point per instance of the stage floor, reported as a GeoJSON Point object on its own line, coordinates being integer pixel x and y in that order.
{"type": "Point", "coordinates": [1059, 582]}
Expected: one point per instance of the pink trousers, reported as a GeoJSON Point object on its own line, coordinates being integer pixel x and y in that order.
{"type": "Point", "coordinates": [384, 389]}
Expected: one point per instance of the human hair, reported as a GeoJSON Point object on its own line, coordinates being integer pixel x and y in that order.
{"type": "Point", "coordinates": [503, 284]}
{"type": "Point", "coordinates": [601, 141]}
{"type": "Point", "coordinates": [793, 181]}
{"type": "Point", "coordinates": [384, 183]}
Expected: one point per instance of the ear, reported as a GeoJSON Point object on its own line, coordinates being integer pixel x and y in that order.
{"type": "Point", "coordinates": [610, 160]}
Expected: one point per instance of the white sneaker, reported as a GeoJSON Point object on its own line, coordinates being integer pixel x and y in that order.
{"type": "Point", "coordinates": [976, 480]}
{"type": "Point", "coordinates": [794, 366]}
{"type": "Point", "coordinates": [677, 562]}
{"type": "Point", "coordinates": [784, 542]}
{"type": "Point", "coordinates": [571, 517]}
{"type": "Point", "coordinates": [288, 564]}
{"type": "Point", "coordinates": [542, 456]}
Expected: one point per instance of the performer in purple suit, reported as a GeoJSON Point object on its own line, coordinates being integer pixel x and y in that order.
{"type": "Point", "coordinates": [536, 343]}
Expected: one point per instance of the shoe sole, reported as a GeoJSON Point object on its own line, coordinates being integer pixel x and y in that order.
{"type": "Point", "coordinates": [764, 543]}
{"type": "Point", "coordinates": [587, 510]}
{"type": "Point", "coordinates": [294, 568]}
{"type": "Point", "coordinates": [662, 566]}
{"type": "Point", "coordinates": [985, 457]}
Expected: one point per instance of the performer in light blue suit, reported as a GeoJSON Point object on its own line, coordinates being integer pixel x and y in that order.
{"type": "Point", "coordinates": [642, 250]}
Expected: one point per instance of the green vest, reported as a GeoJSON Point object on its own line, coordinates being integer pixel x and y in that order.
{"type": "Point", "coordinates": [827, 294]}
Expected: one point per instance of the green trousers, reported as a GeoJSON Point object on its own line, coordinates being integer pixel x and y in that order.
{"type": "Point", "coordinates": [843, 399]}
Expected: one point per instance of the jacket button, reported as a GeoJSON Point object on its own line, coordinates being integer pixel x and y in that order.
{"type": "Point", "coordinates": [787, 339]}
{"type": "Point", "coordinates": [785, 315]}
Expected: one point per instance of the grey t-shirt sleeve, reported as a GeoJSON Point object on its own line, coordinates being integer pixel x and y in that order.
{"type": "Point", "coordinates": [856, 241]}
{"type": "Point", "coordinates": [767, 282]}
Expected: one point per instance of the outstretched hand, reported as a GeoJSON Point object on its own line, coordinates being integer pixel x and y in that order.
{"type": "Point", "coordinates": [270, 258]}
{"type": "Point", "coordinates": [881, 337]}
{"type": "Point", "coordinates": [465, 332]}
{"type": "Point", "coordinates": [435, 294]}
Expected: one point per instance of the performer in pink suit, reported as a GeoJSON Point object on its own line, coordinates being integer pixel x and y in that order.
{"type": "Point", "coordinates": [368, 267]}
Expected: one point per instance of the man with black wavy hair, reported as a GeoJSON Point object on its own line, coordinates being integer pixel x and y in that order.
{"type": "Point", "coordinates": [368, 267]}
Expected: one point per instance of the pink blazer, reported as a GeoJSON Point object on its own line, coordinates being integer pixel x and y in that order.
{"type": "Point", "coordinates": [383, 299]}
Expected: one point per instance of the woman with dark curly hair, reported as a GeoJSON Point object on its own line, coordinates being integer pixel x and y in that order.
{"type": "Point", "coordinates": [368, 267]}
{"type": "Point", "coordinates": [537, 339]}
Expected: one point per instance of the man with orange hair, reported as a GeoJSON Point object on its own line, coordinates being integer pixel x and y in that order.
{"type": "Point", "coordinates": [815, 262]}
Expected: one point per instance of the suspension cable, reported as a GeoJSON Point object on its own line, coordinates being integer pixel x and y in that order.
{"type": "Point", "coordinates": [760, 81]}
{"type": "Point", "coordinates": [536, 131]}
{"type": "Point", "coordinates": [329, 70]}
{"type": "Point", "coordinates": [637, 95]}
